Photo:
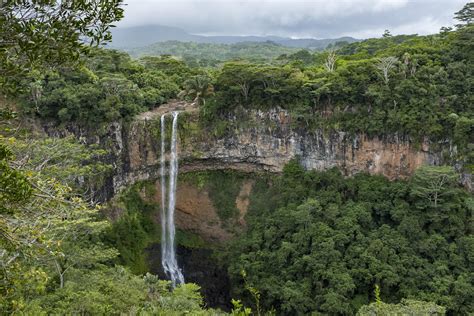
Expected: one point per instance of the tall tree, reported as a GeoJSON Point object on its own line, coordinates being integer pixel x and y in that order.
{"type": "Point", "coordinates": [386, 33]}
{"type": "Point", "coordinates": [330, 62]}
{"type": "Point", "coordinates": [199, 88]}
{"type": "Point", "coordinates": [434, 183]}
{"type": "Point", "coordinates": [386, 64]}
{"type": "Point", "coordinates": [465, 15]}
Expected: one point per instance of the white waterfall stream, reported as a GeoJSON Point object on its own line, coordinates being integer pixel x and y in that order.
{"type": "Point", "coordinates": [168, 231]}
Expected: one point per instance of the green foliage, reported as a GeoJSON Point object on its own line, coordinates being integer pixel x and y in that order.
{"type": "Point", "coordinates": [380, 87]}
{"type": "Point", "coordinates": [259, 86]}
{"type": "Point", "coordinates": [47, 229]}
{"type": "Point", "coordinates": [53, 250]}
{"type": "Point", "coordinates": [98, 291]}
{"type": "Point", "coordinates": [378, 300]}
{"type": "Point", "coordinates": [80, 166]}
{"type": "Point", "coordinates": [197, 89]}
{"type": "Point", "coordinates": [135, 229]}
{"type": "Point", "coordinates": [253, 291]}
{"type": "Point", "coordinates": [317, 242]}
{"type": "Point", "coordinates": [15, 185]}
{"type": "Point", "coordinates": [211, 55]}
{"type": "Point", "coordinates": [116, 291]}
{"type": "Point", "coordinates": [406, 307]}
{"type": "Point", "coordinates": [189, 240]}
{"type": "Point", "coordinates": [303, 56]}
{"type": "Point", "coordinates": [465, 15]}
{"type": "Point", "coordinates": [239, 309]}
{"type": "Point", "coordinates": [110, 87]}
{"type": "Point", "coordinates": [434, 183]}
{"type": "Point", "coordinates": [43, 34]}
{"type": "Point", "coordinates": [377, 87]}
{"type": "Point", "coordinates": [175, 70]}
{"type": "Point", "coordinates": [52, 253]}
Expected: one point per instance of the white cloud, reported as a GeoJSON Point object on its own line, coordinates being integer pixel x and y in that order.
{"type": "Point", "coordinates": [297, 18]}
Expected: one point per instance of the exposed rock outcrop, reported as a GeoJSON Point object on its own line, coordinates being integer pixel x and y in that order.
{"type": "Point", "coordinates": [195, 213]}
{"type": "Point", "coordinates": [265, 141]}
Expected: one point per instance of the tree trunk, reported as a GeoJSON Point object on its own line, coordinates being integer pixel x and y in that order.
{"type": "Point", "coordinates": [61, 274]}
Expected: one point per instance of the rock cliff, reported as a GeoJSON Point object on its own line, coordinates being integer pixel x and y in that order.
{"type": "Point", "coordinates": [265, 141]}
{"type": "Point", "coordinates": [258, 142]}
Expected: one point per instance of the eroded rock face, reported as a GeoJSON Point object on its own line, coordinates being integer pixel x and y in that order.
{"type": "Point", "coordinates": [265, 141]}
{"type": "Point", "coordinates": [195, 213]}
{"type": "Point", "coordinates": [242, 201]}
{"type": "Point", "coordinates": [259, 141]}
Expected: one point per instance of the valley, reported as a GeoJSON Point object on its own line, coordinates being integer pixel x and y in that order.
{"type": "Point", "coordinates": [146, 170]}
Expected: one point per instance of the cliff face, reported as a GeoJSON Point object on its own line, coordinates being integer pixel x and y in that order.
{"type": "Point", "coordinates": [265, 141]}
{"type": "Point", "coordinates": [261, 141]}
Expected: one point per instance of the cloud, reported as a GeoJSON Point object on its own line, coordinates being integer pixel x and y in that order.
{"type": "Point", "coordinates": [295, 18]}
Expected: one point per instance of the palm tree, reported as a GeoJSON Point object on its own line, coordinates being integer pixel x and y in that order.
{"type": "Point", "coordinates": [198, 88]}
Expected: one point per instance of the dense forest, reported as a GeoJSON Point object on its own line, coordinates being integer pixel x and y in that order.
{"type": "Point", "coordinates": [316, 242]}
{"type": "Point", "coordinates": [205, 54]}
{"type": "Point", "coordinates": [319, 242]}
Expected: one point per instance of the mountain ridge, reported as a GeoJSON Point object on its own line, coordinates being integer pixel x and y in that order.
{"type": "Point", "coordinates": [145, 35]}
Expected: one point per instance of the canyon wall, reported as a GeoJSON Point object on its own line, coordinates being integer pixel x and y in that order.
{"type": "Point", "coordinates": [264, 141]}
{"type": "Point", "coordinates": [251, 142]}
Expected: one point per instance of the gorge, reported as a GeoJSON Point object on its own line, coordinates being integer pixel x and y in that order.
{"type": "Point", "coordinates": [246, 179]}
{"type": "Point", "coordinates": [236, 159]}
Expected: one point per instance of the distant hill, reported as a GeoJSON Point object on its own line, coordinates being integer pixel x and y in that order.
{"type": "Point", "coordinates": [140, 36]}
{"type": "Point", "coordinates": [211, 54]}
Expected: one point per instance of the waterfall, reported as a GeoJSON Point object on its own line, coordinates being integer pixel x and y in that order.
{"type": "Point", "coordinates": [168, 249]}
{"type": "Point", "coordinates": [163, 195]}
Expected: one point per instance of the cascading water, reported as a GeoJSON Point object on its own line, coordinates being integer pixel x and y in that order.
{"type": "Point", "coordinates": [168, 250]}
{"type": "Point", "coordinates": [163, 196]}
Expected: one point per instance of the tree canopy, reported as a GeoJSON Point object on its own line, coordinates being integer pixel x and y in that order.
{"type": "Point", "coordinates": [317, 242]}
{"type": "Point", "coordinates": [40, 34]}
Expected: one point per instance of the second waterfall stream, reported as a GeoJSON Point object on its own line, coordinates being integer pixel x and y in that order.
{"type": "Point", "coordinates": [168, 203]}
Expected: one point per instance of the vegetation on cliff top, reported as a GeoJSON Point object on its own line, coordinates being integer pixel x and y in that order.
{"type": "Point", "coordinates": [416, 86]}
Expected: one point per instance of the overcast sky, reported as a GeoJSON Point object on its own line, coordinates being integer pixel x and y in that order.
{"type": "Point", "coordinates": [295, 18]}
